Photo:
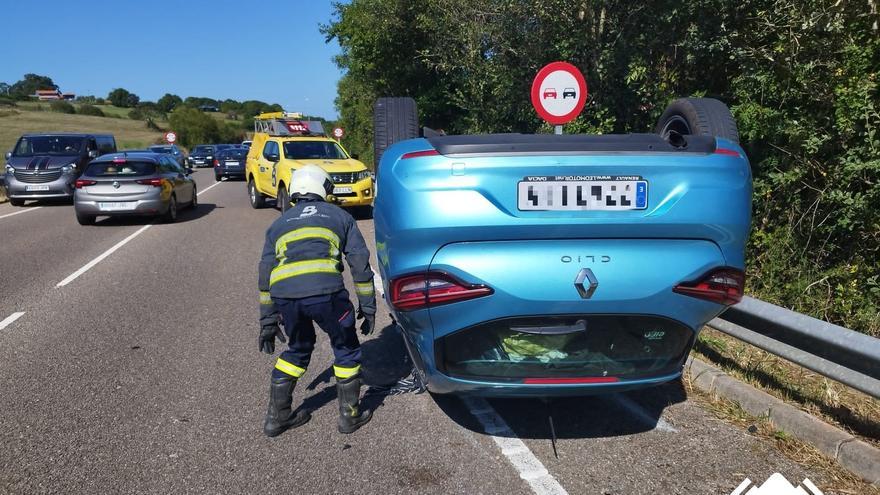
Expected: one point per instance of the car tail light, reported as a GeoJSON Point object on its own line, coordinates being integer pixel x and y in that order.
{"type": "Point", "coordinates": [725, 151]}
{"type": "Point", "coordinates": [152, 182]}
{"type": "Point", "coordinates": [216, 162]}
{"type": "Point", "coordinates": [120, 160]}
{"type": "Point", "coordinates": [416, 154]}
{"type": "Point", "coordinates": [723, 286]}
{"type": "Point", "coordinates": [81, 183]}
{"type": "Point", "coordinates": [432, 289]}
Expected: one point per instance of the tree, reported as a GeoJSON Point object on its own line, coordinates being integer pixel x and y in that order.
{"type": "Point", "coordinates": [168, 102]}
{"type": "Point", "coordinates": [4, 88]}
{"type": "Point", "coordinates": [194, 127]}
{"type": "Point", "coordinates": [26, 87]}
{"type": "Point", "coordinates": [123, 98]}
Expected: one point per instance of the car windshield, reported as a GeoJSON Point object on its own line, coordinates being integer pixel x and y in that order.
{"type": "Point", "coordinates": [326, 150]}
{"type": "Point", "coordinates": [234, 154]}
{"type": "Point", "coordinates": [48, 145]}
{"type": "Point", "coordinates": [116, 169]}
{"type": "Point", "coordinates": [202, 149]}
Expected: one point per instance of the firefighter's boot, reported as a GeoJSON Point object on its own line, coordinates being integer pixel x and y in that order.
{"type": "Point", "coordinates": [279, 417]}
{"type": "Point", "coordinates": [348, 392]}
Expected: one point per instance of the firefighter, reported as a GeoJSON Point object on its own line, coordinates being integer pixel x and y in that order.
{"type": "Point", "coordinates": [300, 282]}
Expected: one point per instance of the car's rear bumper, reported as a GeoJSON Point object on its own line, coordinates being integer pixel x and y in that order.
{"type": "Point", "coordinates": [140, 207]}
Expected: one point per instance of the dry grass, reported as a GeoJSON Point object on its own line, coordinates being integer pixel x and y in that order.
{"type": "Point", "coordinates": [129, 133]}
{"type": "Point", "coordinates": [832, 478]}
{"type": "Point", "coordinates": [833, 402]}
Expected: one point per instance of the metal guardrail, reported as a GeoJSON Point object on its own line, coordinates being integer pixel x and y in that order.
{"type": "Point", "coordinates": [844, 355]}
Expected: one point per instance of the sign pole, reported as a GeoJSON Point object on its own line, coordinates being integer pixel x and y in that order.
{"type": "Point", "coordinates": [558, 130]}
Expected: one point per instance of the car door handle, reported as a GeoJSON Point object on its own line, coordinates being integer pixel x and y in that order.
{"type": "Point", "coordinates": [577, 327]}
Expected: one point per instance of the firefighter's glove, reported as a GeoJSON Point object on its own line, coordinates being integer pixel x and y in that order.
{"type": "Point", "coordinates": [268, 334]}
{"type": "Point", "coordinates": [369, 323]}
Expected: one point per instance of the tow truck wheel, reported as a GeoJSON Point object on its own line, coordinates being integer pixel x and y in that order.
{"type": "Point", "coordinates": [257, 200]}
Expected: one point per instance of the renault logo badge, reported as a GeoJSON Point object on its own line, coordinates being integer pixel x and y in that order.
{"type": "Point", "coordinates": [586, 275]}
{"type": "Point", "coordinates": [116, 184]}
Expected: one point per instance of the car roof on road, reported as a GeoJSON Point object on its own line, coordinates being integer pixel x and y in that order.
{"type": "Point", "coordinates": [138, 154]}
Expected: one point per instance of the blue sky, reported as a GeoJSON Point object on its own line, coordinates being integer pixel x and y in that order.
{"type": "Point", "coordinates": [269, 50]}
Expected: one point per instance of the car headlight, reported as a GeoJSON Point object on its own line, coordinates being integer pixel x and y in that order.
{"type": "Point", "coordinates": [209, 157]}
{"type": "Point", "coordinates": [68, 168]}
{"type": "Point", "coordinates": [364, 174]}
{"type": "Point", "coordinates": [9, 169]}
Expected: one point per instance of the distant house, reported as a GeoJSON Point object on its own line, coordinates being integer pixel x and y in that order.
{"type": "Point", "coordinates": [68, 96]}
{"type": "Point", "coordinates": [209, 108]}
{"type": "Point", "coordinates": [48, 94]}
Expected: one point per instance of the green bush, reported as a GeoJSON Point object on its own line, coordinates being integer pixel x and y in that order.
{"type": "Point", "coordinates": [136, 114]}
{"type": "Point", "coordinates": [61, 106]}
{"type": "Point", "coordinates": [87, 109]}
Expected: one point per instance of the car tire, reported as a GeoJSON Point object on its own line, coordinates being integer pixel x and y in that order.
{"type": "Point", "coordinates": [363, 212]}
{"type": "Point", "coordinates": [698, 116]}
{"type": "Point", "coordinates": [394, 119]}
{"type": "Point", "coordinates": [84, 219]}
{"type": "Point", "coordinates": [170, 216]}
{"type": "Point", "coordinates": [16, 202]}
{"type": "Point", "coordinates": [195, 201]}
{"type": "Point", "coordinates": [283, 198]}
{"type": "Point", "coordinates": [257, 200]}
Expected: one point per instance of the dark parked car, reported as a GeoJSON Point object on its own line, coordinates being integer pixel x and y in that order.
{"type": "Point", "coordinates": [202, 155]}
{"type": "Point", "coordinates": [171, 149]}
{"type": "Point", "coordinates": [230, 163]}
{"type": "Point", "coordinates": [133, 183]}
{"type": "Point", "coordinates": [46, 165]}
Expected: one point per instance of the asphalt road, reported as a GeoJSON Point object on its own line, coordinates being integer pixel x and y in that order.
{"type": "Point", "coordinates": [142, 375]}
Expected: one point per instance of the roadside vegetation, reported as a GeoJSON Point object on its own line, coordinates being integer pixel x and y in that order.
{"type": "Point", "coordinates": [800, 76]}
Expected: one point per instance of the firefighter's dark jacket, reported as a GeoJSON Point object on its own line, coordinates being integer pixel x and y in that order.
{"type": "Point", "coordinates": [302, 257]}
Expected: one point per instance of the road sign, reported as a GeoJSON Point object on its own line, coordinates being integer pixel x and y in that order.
{"type": "Point", "coordinates": [338, 133]}
{"type": "Point", "coordinates": [559, 92]}
{"type": "Point", "coordinates": [170, 137]}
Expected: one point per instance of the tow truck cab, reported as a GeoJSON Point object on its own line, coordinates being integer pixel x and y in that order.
{"type": "Point", "coordinates": [282, 143]}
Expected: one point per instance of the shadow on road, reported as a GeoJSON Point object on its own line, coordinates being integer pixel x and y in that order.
{"type": "Point", "coordinates": [598, 416]}
{"type": "Point", "coordinates": [183, 216]}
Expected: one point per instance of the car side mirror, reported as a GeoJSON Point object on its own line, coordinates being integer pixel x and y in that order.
{"type": "Point", "coordinates": [93, 153]}
{"type": "Point", "coordinates": [356, 156]}
{"type": "Point", "coordinates": [8, 155]}
{"type": "Point", "coordinates": [272, 158]}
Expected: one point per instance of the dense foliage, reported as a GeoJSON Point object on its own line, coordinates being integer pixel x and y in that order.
{"type": "Point", "coordinates": [800, 76]}
{"type": "Point", "coordinates": [195, 127]}
{"type": "Point", "coordinates": [121, 97]}
{"type": "Point", "coordinates": [28, 86]}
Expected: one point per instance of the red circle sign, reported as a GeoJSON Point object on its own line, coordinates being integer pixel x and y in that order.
{"type": "Point", "coordinates": [170, 137]}
{"type": "Point", "coordinates": [338, 132]}
{"type": "Point", "coordinates": [559, 92]}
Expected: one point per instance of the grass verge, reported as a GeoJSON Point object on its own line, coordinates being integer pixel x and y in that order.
{"type": "Point", "coordinates": [834, 403]}
{"type": "Point", "coordinates": [832, 478]}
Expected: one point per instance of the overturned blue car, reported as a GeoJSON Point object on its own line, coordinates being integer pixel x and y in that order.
{"type": "Point", "coordinates": [548, 265]}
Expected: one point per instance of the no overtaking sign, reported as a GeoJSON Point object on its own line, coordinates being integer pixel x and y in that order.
{"type": "Point", "coordinates": [559, 93]}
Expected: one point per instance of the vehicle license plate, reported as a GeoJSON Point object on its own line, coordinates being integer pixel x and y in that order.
{"type": "Point", "coordinates": [582, 193]}
{"type": "Point", "coordinates": [200, 162]}
{"type": "Point", "coordinates": [36, 188]}
{"type": "Point", "coordinates": [341, 190]}
{"type": "Point", "coordinates": [122, 205]}
{"type": "Point", "coordinates": [233, 164]}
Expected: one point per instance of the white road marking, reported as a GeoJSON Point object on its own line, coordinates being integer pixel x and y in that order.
{"type": "Point", "coordinates": [515, 450]}
{"type": "Point", "coordinates": [203, 191]}
{"type": "Point", "coordinates": [20, 212]}
{"type": "Point", "coordinates": [639, 411]}
{"type": "Point", "coordinates": [88, 266]}
{"type": "Point", "coordinates": [10, 319]}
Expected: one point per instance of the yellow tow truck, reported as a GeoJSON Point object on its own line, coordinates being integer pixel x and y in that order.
{"type": "Point", "coordinates": [282, 143]}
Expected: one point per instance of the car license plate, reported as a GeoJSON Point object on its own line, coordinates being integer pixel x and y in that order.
{"type": "Point", "coordinates": [117, 206]}
{"type": "Point", "coordinates": [200, 162]}
{"type": "Point", "coordinates": [36, 188]}
{"type": "Point", "coordinates": [582, 193]}
{"type": "Point", "coordinates": [341, 190]}
{"type": "Point", "coordinates": [232, 164]}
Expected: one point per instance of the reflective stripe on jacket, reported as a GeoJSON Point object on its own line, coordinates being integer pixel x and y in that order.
{"type": "Point", "coordinates": [302, 255]}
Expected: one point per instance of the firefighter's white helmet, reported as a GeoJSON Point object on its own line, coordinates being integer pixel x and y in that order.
{"type": "Point", "coordinates": [310, 179]}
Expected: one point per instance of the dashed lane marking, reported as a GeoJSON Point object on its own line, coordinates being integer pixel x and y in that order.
{"type": "Point", "coordinates": [10, 319]}
{"type": "Point", "coordinates": [20, 212]}
{"type": "Point", "coordinates": [88, 266]}
{"type": "Point", "coordinates": [515, 450]}
{"type": "Point", "coordinates": [640, 412]}
{"type": "Point", "coordinates": [203, 191]}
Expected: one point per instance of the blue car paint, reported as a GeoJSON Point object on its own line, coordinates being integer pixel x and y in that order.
{"type": "Point", "coordinates": [459, 214]}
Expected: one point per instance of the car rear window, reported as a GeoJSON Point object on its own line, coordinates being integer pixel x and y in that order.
{"type": "Point", "coordinates": [234, 154]}
{"type": "Point", "coordinates": [202, 149]}
{"type": "Point", "coordinates": [112, 169]}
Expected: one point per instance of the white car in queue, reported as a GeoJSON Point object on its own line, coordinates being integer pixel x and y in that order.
{"type": "Point", "coordinates": [133, 183]}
